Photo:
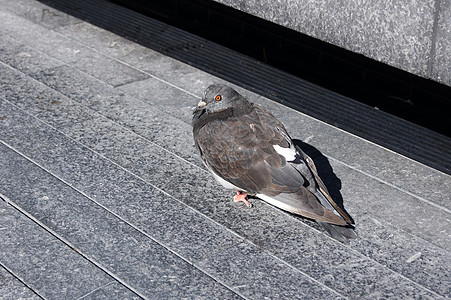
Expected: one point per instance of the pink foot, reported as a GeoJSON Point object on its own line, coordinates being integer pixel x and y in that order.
{"type": "Point", "coordinates": [241, 197]}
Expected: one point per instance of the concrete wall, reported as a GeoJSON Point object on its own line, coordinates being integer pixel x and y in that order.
{"type": "Point", "coordinates": [411, 35]}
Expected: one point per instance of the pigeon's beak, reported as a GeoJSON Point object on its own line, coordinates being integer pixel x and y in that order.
{"type": "Point", "coordinates": [199, 110]}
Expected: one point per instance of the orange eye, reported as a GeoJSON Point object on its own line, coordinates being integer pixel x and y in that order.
{"type": "Point", "coordinates": [218, 98]}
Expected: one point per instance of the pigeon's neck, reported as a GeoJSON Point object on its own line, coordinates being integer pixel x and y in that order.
{"type": "Point", "coordinates": [229, 112]}
{"type": "Point", "coordinates": [208, 117]}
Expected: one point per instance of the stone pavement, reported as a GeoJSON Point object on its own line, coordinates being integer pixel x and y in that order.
{"type": "Point", "coordinates": [103, 195]}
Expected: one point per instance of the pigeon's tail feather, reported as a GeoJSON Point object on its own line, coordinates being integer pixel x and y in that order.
{"type": "Point", "coordinates": [340, 233]}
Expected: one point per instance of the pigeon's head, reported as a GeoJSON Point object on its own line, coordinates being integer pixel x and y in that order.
{"type": "Point", "coordinates": [220, 97]}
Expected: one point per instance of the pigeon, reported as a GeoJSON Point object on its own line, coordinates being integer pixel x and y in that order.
{"type": "Point", "coordinates": [247, 149]}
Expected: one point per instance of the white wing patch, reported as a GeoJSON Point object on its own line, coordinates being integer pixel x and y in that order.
{"type": "Point", "coordinates": [290, 154]}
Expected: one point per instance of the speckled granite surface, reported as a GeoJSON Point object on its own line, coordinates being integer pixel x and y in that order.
{"type": "Point", "coordinates": [442, 60]}
{"type": "Point", "coordinates": [103, 196]}
{"type": "Point", "coordinates": [410, 35]}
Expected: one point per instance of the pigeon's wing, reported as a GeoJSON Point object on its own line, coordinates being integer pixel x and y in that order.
{"type": "Point", "coordinates": [306, 167]}
{"type": "Point", "coordinates": [322, 188]}
{"type": "Point", "coordinates": [243, 152]}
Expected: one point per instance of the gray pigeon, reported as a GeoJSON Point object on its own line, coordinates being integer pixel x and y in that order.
{"type": "Point", "coordinates": [249, 150]}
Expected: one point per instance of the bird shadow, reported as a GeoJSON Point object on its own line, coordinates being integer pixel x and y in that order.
{"type": "Point", "coordinates": [325, 171]}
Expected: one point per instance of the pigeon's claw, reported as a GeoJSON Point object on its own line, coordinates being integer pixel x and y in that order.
{"type": "Point", "coordinates": [241, 197]}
